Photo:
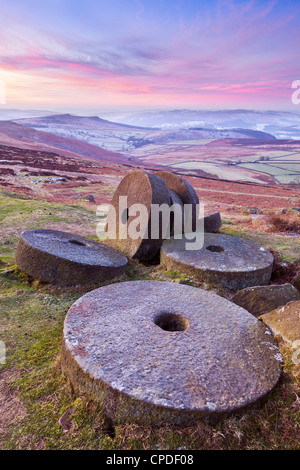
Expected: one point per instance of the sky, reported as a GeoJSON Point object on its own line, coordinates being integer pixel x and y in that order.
{"type": "Point", "coordinates": [93, 54]}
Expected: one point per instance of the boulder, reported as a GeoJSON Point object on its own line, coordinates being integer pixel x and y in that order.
{"type": "Point", "coordinates": [262, 299]}
{"type": "Point", "coordinates": [297, 282]}
{"type": "Point", "coordinates": [253, 210]}
{"type": "Point", "coordinates": [285, 322]}
{"type": "Point", "coordinates": [223, 260]}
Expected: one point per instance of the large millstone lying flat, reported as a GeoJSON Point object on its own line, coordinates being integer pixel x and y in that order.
{"type": "Point", "coordinates": [156, 352]}
{"type": "Point", "coordinates": [145, 189]}
{"type": "Point", "coordinates": [67, 259]}
{"type": "Point", "coordinates": [223, 260]}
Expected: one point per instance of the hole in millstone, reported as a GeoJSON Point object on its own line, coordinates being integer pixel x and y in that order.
{"type": "Point", "coordinates": [171, 321]}
{"type": "Point", "coordinates": [76, 242]}
{"type": "Point", "coordinates": [215, 248]}
{"type": "Point", "coordinates": [125, 216]}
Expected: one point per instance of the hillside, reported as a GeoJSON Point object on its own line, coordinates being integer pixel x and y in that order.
{"type": "Point", "coordinates": [25, 137]}
{"type": "Point", "coordinates": [237, 154]}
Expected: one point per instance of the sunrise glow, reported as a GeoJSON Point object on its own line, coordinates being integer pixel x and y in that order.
{"type": "Point", "coordinates": [208, 54]}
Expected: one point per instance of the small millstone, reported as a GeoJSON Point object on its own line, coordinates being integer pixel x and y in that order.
{"type": "Point", "coordinates": [67, 259]}
{"type": "Point", "coordinates": [154, 352]}
{"type": "Point", "coordinates": [224, 260]}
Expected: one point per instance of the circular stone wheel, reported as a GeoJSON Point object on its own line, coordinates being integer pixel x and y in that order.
{"type": "Point", "coordinates": [67, 259]}
{"type": "Point", "coordinates": [223, 260]}
{"type": "Point", "coordinates": [144, 188]}
{"type": "Point", "coordinates": [183, 189]}
{"type": "Point", "coordinates": [176, 220]}
{"type": "Point", "coordinates": [154, 352]}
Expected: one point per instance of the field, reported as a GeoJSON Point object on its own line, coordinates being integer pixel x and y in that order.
{"type": "Point", "coordinates": [227, 154]}
{"type": "Point", "coordinates": [246, 160]}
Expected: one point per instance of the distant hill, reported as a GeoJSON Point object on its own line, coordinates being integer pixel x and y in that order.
{"type": "Point", "coordinates": [83, 122]}
{"type": "Point", "coordinates": [281, 124]}
{"type": "Point", "coordinates": [14, 134]}
{"type": "Point", "coordinates": [233, 133]}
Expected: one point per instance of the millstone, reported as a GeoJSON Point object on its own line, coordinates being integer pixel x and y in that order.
{"type": "Point", "coordinates": [183, 189]}
{"type": "Point", "coordinates": [156, 352]}
{"type": "Point", "coordinates": [140, 188]}
{"type": "Point", "coordinates": [223, 260]}
{"type": "Point", "coordinates": [67, 259]}
{"type": "Point", "coordinates": [178, 204]}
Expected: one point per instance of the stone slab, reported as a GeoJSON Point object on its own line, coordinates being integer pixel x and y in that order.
{"type": "Point", "coordinates": [262, 299]}
{"type": "Point", "coordinates": [285, 322]}
{"type": "Point", "coordinates": [223, 260]}
{"type": "Point", "coordinates": [156, 352]}
{"type": "Point", "coordinates": [144, 188]}
{"type": "Point", "coordinates": [67, 259]}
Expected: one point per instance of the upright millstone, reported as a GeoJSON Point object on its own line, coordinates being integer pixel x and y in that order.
{"type": "Point", "coordinates": [212, 222]}
{"type": "Point", "coordinates": [156, 352]}
{"type": "Point", "coordinates": [132, 232]}
{"type": "Point", "coordinates": [184, 190]}
{"type": "Point", "coordinates": [187, 195]}
{"type": "Point", "coordinates": [223, 260]}
{"type": "Point", "coordinates": [67, 259]}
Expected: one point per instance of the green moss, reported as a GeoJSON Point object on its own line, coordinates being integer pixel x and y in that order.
{"type": "Point", "coordinates": [172, 274]}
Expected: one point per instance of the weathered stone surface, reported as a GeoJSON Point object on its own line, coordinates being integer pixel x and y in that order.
{"type": "Point", "coordinates": [156, 352]}
{"type": "Point", "coordinates": [224, 260]}
{"type": "Point", "coordinates": [262, 299]}
{"type": "Point", "coordinates": [183, 189]}
{"type": "Point", "coordinates": [212, 222]}
{"type": "Point", "coordinates": [67, 259]}
{"type": "Point", "coordinates": [253, 210]}
{"type": "Point", "coordinates": [176, 201]}
{"type": "Point", "coordinates": [285, 322]}
{"type": "Point", "coordinates": [297, 282]}
{"type": "Point", "coordinates": [140, 188]}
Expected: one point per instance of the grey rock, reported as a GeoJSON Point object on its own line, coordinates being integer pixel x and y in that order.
{"type": "Point", "coordinates": [212, 222]}
{"type": "Point", "coordinates": [253, 210]}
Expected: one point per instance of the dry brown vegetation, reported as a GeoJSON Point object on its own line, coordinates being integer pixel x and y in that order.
{"type": "Point", "coordinates": [284, 223]}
